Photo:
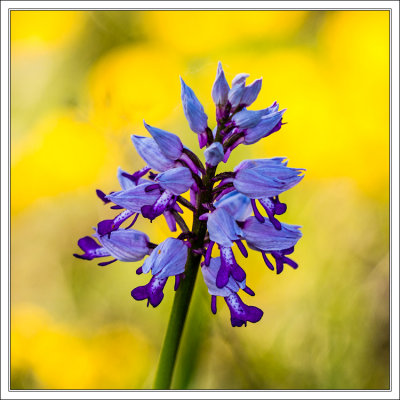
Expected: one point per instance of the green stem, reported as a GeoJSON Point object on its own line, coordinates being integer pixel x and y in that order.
{"type": "Point", "coordinates": [184, 294]}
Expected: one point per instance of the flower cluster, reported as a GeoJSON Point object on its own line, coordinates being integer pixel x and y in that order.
{"type": "Point", "coordinates": [222, 204]}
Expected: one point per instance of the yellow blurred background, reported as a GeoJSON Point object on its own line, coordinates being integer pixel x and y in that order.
{"type": "Point", "coordinates": [81, 84]}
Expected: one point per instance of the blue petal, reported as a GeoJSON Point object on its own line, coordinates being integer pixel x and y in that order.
{"type": "Point", "coordinates": [176, 180]}
{"type": "Point", "coordinates": [222, 228]}
{"type": "Point", "coordinates": [170, 144]}
{"type": "Point", "coordinates": [149, 150]}
{"type": "Point", "coordinates": [126, 244]}
{"type": "Point", "coordinates": [167, 259]}
{"type": "Point", "coordinates": [125, 182]}
{"type": "Point", "coordinates": [241, 95]}
{"type": "Point", "coordinates": [263, 128]}
{"type": "Point", "coordinates": [265, 237]}
{"type": "Point", "coordinates": [239, 80]}
{"type": "Point", "coordinates": [266, 181]}
{"type": "Point", "coordinates": [251, 92]}
{"type": "Point", "coordinates": [220, 88]}
{"type": "Point", "coordinates": [135, 198]}
{"type": "Point", "coordinates": [194, 111]}
{"type": "Point", "coordinates": [236, 204]}
{"type": "Point", "coordinates": [249, 118]}
{"type": "Point", "coordinates": [214, 154]}
{"type": "Point", "coordinates": [261, 162]}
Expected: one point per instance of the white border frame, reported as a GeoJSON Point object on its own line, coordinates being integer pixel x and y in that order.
{"type": "Point", "coordinates": [5, 223]}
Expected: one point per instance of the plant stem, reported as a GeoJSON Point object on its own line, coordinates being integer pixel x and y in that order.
{"type": "Point", "coordinates": [184, 294]}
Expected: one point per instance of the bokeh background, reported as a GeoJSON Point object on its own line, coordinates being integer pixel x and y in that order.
{"type": "Point", "coordinates": [82, 82]}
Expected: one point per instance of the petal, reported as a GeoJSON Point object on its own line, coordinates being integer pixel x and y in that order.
{"type": "Point", "coordinates": [251, 93]}
{"type": "Point", "coordinates": [222, 228]}
{"type": "Point", "coordinates": [264, 128]}
{"type": "Point", "coordinates": [167, 259]}
{"type": "Point", "coordinates": [214, 154]}
{"type": "Point", "coordinates": [210, 277]}
{"type": "Point", "coordinates": [126, 245]}
{"type": "Point", "coordinates": [194, 111]}
{"type": "Point", "coordinates": [261, 162]}
{"type": "Point", "coordinates": [135, 198]}
{"type": "Point", "coordinates": [236, 204]}
{"type": "Point", "coordinates": [220, 88]}
{"type": "Point", "coordinates": [240, 312]}
{"type": "Point", "coordinates": [265, 237]}
{"type": "Point", "coordinates": [261, 182]}
{"type": "Point", "coordinates": [176, 180]}
{"type": "Point", "coordinates": [149, 150]}
{"type": "Point", "coordinates": [170, 144]}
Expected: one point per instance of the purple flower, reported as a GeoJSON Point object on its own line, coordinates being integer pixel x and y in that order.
{"type": "Point", "coordinates": [194, 113]}
{"type": "Point", "coordinates": [264, 237]}
{"type": "Point", "coordinates": [240, 312]}
{"type": "Point", "coordinates": [167, 259]}
{"type": "Point", "coordinates": [222, 212]}
{"type": "Point", "coordinates": [123, 245]}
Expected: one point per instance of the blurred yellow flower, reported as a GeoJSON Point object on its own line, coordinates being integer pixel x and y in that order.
{"type": "Point", "coordinates": [122, 87]}
{"type": "Point", "coordinates": [62, 357]}
{"type": "Point", "coordinates": [201, 32]}
{"type": "Point", "coordinates": [59, 155]}
{"type": "Point", "coordinates": [36, 30]}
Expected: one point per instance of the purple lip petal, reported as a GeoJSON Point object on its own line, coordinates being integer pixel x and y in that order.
{"type": "Point", "coordinates": [153, 291]}
{"type": "Point", "coordinates": [240, 312]}
{"type": "Point", "coordinates": [105, 227]}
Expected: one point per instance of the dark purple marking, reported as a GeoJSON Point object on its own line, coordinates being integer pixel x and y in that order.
{"type": "Point", "coordinates": [248, 291]}
{"type": "Point", "coordinates": [102, 196]}
{"type": "Point", "coordinates": [151, 187]}
{"type": "Point", "coordinates": [103, 264]}
{"type": "Point", "coordinates": [257, 213]}
{"type": "Point", "coordinates": [267, 262]}
{"type": "Point", "coordinates": [133, 221]}
{"type": "Point", "coordinates": [241, 247]}
{"type": "Point", "coordinates": [207, 257]}
{"type": "Point", "coordinates": [214, 304]}
{"type": "Point", "coordinates": [139, 271]}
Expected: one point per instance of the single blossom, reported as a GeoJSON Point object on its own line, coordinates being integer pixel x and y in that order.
{"type": "Point", "coordinates": [214, 154]}
{"type": "Point", "coordinates": [124, 245]}
{"type": "Point", "coordinates": [240, 312]}
{"type": "Point", "coordinates": [167, 259]}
